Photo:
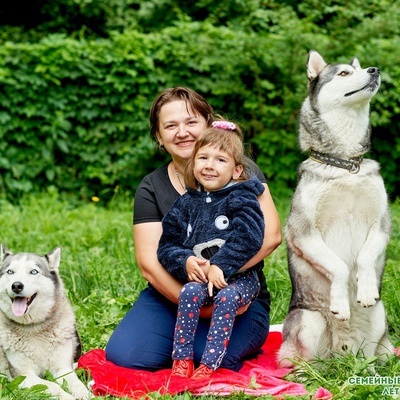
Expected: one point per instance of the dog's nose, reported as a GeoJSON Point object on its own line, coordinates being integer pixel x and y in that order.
{"type": "Point", "coordinates": [17, 287]}
{"type": "Point", "coordinates": [373, 71]}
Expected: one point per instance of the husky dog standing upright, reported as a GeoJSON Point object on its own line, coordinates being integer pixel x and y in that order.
{"type": "Point", "coordinates": [339, 224]}
{"type": "Point", "coordinates": [37, 323]}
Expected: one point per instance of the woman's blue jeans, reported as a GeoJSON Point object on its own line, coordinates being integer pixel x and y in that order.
{"type": "Point", "coordinates": [144, 337]}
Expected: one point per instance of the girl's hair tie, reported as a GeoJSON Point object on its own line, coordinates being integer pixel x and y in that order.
{"type": "Point", "coordinates": [227, 125]}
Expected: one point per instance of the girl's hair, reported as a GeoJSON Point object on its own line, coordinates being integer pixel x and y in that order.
{"type": "Point", "coordinates": [195, 103]}
{"type": "Point", "coordinates": [228, 140]}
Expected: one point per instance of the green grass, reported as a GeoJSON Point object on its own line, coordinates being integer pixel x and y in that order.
{"type": "Point", "coordinates": [102, 280]}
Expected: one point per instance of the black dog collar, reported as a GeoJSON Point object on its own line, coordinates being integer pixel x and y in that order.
{"type": "Point", "coordinates": [352, 165]}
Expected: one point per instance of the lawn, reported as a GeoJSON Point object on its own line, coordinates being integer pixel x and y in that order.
{"type": "Point", "coordinates": [102, 280]}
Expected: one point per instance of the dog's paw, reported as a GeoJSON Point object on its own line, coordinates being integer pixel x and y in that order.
{"type": "Point", "coordinates": [367, 296]}
{"type": "Point", "coordinates": [66, 396]}
{"type": "Point", "coordinates": [340, 309]}
{"type": "Point", "coordinates": [80, 392]}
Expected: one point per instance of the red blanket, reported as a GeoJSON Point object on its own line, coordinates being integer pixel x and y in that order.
{"type": "Point", "coordinates": [257, 377]}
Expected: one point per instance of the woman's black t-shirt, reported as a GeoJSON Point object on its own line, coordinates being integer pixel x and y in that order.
{"type": "Point", "coordinates": [155, 196]}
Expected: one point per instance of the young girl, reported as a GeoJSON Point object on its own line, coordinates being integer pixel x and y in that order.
{"type": "Point", "coordinates": [209, 234]}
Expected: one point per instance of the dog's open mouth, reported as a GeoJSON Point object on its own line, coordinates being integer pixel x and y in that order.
{"type": "Point", "coordinates": [20, 305]}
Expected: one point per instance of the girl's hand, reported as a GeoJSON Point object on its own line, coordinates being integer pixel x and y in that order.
{"type": "Point", "coordinates": [194, 269]}
{"type": "Point", "coordinates": [215, 278]}
{"type": "Point", "coordinates": [205, 266]}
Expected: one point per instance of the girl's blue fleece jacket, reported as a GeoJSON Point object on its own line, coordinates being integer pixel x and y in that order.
{"type": "Point", "coordinates": [225, 226]}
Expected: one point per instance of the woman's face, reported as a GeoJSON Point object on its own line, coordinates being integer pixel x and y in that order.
{"type": "Point", "coordinates": [178, 129]}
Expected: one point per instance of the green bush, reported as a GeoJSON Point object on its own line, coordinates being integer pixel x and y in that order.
{"type": "Point", "coordinates": [74, 112]}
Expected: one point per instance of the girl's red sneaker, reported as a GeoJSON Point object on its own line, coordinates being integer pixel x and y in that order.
{"type": "Point", "coordinates": [203, 372]}
{"type": "Point", "coordinates": [182, 368]}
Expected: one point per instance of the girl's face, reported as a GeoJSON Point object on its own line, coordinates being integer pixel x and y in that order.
{"type": "Point", "coordinates": [214, 168]}
{"type": "Point", "coordinates": [178, 129]}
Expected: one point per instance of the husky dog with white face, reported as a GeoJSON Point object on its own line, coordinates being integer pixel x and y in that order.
{"type": "Point", "coordinates": [339, 224]}
{"type": "Point", "coordinates": [37, 323]}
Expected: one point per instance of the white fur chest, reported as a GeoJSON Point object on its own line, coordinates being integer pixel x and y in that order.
{"type": "Point", "coordinates": [341, 206]}
{"type": "Point", "coordinates": [33, 347]}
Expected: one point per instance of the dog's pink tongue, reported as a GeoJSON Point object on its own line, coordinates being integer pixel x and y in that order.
{"type": "Point", "coordinates": [19, 306]}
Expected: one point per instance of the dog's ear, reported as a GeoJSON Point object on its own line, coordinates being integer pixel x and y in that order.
{"type": "Point", "coordinates": [315, 64]}
{"type": "Point", "coordinates": [54, 258]}
{"type": "Point", "coordinates": [4, 252]}
{"type": "Point", "coordinates": [355, 64]}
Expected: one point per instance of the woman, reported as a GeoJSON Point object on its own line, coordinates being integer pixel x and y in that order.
{"type": "Point", "coordinates": [144, 338]}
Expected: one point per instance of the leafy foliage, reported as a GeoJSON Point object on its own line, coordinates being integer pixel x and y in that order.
{"type": "Point", "coordinates": [74, 109]}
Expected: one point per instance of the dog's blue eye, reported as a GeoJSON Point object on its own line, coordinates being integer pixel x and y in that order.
{"type": "Point", "coordinates": [34, 272]}
{"type": "Point", "coordinates": [10, 271]}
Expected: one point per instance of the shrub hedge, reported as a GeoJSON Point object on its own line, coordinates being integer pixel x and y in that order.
{"type": "Point", "coordinates": [74, 112]}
